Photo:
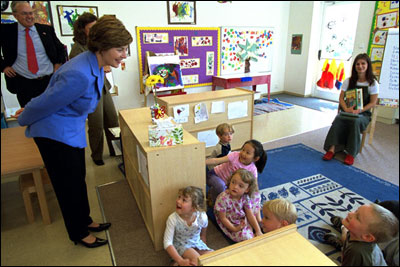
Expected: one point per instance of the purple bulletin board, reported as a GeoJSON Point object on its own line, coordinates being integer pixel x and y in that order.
{"type": "Point", "coordinates": [198, 49]}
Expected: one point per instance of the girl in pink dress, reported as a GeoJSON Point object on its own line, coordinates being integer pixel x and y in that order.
{"type": "Point", "coordinates": [237, 207]}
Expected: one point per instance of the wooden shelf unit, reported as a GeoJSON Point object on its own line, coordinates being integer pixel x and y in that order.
{"type": "Point", "coordinates": [243, 126]}
{"type": "Point", "coordinates": [168, 169]}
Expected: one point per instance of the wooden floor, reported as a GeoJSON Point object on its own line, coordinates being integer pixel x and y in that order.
{"type": "Point", "coordinates": [37, 244]}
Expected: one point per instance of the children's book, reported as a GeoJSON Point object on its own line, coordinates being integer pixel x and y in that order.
{"type": "Point", "coordinates": [354, 97]}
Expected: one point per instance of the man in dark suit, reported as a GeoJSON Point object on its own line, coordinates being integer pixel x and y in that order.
{"type": "Point", "coordinates": [48, 53]}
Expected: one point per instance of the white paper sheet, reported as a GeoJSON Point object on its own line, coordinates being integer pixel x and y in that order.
{"type": "Point", "coordinates": [218, 107]}
{"type": "Point", "coordinates": [209, 137]}
{"type": "Point", "coordinates": [237, 110]}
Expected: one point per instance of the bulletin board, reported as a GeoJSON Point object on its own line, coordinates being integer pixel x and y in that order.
{"type": "Point", "coordinates": [386, 16]}
{"type": "Point", "coordinates": [232, 36]}
{"type": "Point", "coordinates": [198, 50]}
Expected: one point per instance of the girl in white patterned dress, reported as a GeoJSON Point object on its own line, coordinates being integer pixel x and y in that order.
{"type": "Point", "coordinates": [237, 209]}
{"type": "Point", "coordinates": [185, 234]}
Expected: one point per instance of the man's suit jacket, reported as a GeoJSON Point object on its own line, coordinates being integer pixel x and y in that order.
{"type": "Point", "coordinates": [9, 45]}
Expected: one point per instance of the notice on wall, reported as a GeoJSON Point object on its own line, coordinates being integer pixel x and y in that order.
{"type": "Point", "coordinates": [237, 110]}
{"type": "Point", "coordinates": [181, 113]}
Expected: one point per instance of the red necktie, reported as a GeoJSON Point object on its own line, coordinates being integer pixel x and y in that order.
{"type": "Point", "coordinates": [30, 52]}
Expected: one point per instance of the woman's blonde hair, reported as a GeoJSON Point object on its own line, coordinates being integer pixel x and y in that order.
{"type": "Point", "coordinates": [282, 209]}
{"type": "Point", "coordinates": [248, 178]}
{"type": "Point", "coordinates": [107, 33]}
{"type": "Point", "coordinates": [197, 196]}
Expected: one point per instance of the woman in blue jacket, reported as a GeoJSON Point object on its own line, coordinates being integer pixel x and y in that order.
{"type": "Point", "coordinates": [56, 120]}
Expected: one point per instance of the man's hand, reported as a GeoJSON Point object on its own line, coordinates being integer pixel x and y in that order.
{"type": "Point", "coordinates": [10, 72]}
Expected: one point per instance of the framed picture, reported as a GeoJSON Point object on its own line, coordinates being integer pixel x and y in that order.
{"type": "Point", "coordinates": [295, 47]}
{"type": "Point", "coordinates": [68, 14]}
{"type": "Point", "coordinates": [42, 12]}
{"type": "Point", "coordinates": [181, 12]}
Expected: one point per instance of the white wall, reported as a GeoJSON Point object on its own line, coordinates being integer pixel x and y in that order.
{"type": "Point", "coordinates": [209, 14]}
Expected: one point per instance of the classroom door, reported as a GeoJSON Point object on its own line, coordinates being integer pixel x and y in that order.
{"type": "Point", "coordinates": [338, 33]}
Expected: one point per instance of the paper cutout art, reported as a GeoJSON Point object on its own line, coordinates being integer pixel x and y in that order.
{"type": "Point", "coordinates": [169, 69]}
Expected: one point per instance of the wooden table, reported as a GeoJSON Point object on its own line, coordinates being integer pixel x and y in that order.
{"type": "Point", "coordinates": [282, 247]}
{"type": "Point", "coordinates": [243, 79]}
{"type": "Point", "coordinates": [20, 155]}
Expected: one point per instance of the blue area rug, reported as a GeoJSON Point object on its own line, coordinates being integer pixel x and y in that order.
{"type": "Point", "coordinates": [319, 189]}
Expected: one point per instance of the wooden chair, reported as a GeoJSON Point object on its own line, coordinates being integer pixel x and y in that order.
{"type": "Point", "coordinates": [370, 129]}
{"type": "Point", "coordinates": [27, 187]}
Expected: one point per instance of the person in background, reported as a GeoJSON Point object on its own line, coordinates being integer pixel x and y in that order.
{"type": "Point", "coordinates": [105, 115]}
{"type": "Point", "coordinates": [31, 53]}
{"type": "Point", "coordinates": [237, 208]}
{"type": "Point", "coordinates": [224, 132]}
{"type": "Point", "coordinates": [56, 120]}
{"type": "Point", "coordinates": [361, 231]}
{"type": "Point", "coordinates": [251, 157]}
{"type": "Point", "coordinates": [186, 230]}
{"type": "Point", "coordinates": [278, 213]}
{"type": "Point", "coordinates": [345, 132]}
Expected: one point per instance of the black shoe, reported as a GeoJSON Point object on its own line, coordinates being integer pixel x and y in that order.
{"type": "Point", "coordinates": [97, 243]}
{"type": "Point", "coordinates": [98, 162]}
{"type": "Point", "coordinates": [333, 240]}
{"type": "Point", "coordinates": [337, 223]}
{"type": "Point", "coordinates": [101, 227]}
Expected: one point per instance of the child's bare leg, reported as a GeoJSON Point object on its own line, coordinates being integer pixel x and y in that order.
{"type": "Point", "coordinates": [192, 255]}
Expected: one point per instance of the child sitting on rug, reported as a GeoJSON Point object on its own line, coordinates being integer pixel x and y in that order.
{"type": "Point", "coordinates": [237, 207]}
{"type": "Point", "coordinates": [185, 234]}
{"type": "Point", "coordinates": [224, 132]}
{"type": "Point", "coordinates": [390, 249]}
{"type": "Point", "coordinates": [278, 213]}
{"type": "Point", "coordinates": [251, 157]}
{"type": "Point", "coordinates": [361, 231]}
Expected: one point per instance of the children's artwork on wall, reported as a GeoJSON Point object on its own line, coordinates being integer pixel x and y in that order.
{"type": "Point", "coordinates": [385, 17]}
{"type": "Point", "coordinates": [155, 38]}
{"type": "Point", "coordinates": [181, 45]}
{"type": "Point", "coordinates": [169, 69]}
{"type": "Point", "coordinates": [68, 14]}
{"type": "Point", "coordinates": [386, 20]}
{"type": "Point", "coordinates": [297, 40]}
{"type": "Point", "coordinates": [7, 18]}
{"type": "Point", "coordinates": [231, 37]}
{"type": "Point", "coordinates": [190, 79]}
{"type": "Point", "coordinates": [339, 28]}
{"type": "Point", "coordinates": [181, 12]}
{"type": "Point", "coordinates": [202, 41]}
{"type": "Point", "coordinates": [190, 63]}
{"type": "Point", "coordinates": [193, 59]}
{"type": "Point", "coordinates": [210, 63]}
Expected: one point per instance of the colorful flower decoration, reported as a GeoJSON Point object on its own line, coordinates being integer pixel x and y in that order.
{"type": "Point", "coordinates": [152, 80]}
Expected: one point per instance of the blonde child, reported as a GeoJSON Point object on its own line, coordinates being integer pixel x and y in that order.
{"type": "Point", "coordinates": [251, 157]}
{"type": "Point", "coordinates": [361, 231]}
{"type": "Point", "coordinates": [224, 132]}
{"type": "Point", "coordinates": [278, 213]}
{"type": "Point", "coordinates": [237, 207]}
{"type": "Point", "coordinates": [185, 234]}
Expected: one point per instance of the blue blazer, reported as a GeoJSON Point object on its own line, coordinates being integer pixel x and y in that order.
{"type": "Point", "coordinates": [60, 112]}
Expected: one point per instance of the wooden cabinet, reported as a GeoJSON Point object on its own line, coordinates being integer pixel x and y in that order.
{"type": "Point", "coordinates": [281, 247]}
{"type": "Point", "coordinates": [243, 125]}
{"type": "Point", "coordinates": [155, 174]}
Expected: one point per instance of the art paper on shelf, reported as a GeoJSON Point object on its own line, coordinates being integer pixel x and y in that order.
{"type": "Point", "coordinates": [218, 107]}
{"type": "Point", "coordinates": [209, 137]}
{"type": "Point", "coordinates": [237, 110]}
{"type": "Point", "coordinates": [200, 113]}
{"type": "Point", "coordinates": [181, 113]}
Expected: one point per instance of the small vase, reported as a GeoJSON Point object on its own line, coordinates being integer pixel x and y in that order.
{"type": "Point", "coordinates": [247, 66]}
